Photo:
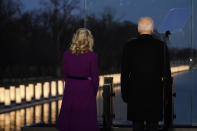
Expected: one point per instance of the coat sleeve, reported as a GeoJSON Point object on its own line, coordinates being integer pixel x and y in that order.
{"type": "Point", "coordinates": [124, 75]}
{"type": "Point", "coordinates": [167, 70]}
{"type": "Point", "coordinates": [94, 73]}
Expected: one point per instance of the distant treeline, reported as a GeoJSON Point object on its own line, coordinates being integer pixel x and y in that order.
{"type": "Point", "coordinates": [32, 43]}
{"type": "Point", "coordinates": [184, 55]}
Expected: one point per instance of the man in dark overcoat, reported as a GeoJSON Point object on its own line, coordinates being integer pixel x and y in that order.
{"type": "Point", "coordinates": [145, 62]}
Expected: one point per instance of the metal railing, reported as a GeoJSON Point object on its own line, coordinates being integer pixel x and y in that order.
{"type": "Point", "coordinates": [108, 103]}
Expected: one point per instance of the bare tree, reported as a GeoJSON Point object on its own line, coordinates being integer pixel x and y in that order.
{"type": "Point", "coordinates": [58, 14]}
{"type": "Point", "coordinates": [108, 15]}
{"type": "Point", "coordinates": [10, 8]}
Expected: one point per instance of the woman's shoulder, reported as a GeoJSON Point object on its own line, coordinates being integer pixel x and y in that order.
{"type": "Point", "coordinates": [67, 52]}
{"type": "Point", "coordinates": [93, 54]}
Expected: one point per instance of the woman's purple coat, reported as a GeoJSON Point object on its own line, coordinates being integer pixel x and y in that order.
{"type": "Point", "coordinates": [78, 111]}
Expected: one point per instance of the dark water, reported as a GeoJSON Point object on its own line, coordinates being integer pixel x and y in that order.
{"type": "Point", "coordinates": [186, 99]}
{"type": "Point", "coordinates": [185, 107]}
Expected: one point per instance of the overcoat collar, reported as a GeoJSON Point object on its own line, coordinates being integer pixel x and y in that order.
{"type": "Point", "coordinates": [145, 36]}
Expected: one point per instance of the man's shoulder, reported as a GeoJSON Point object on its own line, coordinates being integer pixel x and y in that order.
{"type": "Point", "coordinates": [158, 40]}
{"type": "Point", "coordinates": [131, 42]}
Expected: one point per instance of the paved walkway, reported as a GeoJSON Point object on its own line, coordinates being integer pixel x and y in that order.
{"type": "Point", "coordinates": [114, 129]}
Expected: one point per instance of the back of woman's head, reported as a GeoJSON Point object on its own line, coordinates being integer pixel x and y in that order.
{"type": "Point", "coordinates": [82, 41]}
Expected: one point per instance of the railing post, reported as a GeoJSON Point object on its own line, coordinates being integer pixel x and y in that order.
{"type": "Point", "coordinates": [108, 112]}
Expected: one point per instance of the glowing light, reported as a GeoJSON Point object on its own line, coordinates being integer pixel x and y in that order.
{"type": "Point", "coordinates": [60, 87]}
{"type": "Point", "coordinates": [7, 97]}
{"type": "Point", "coordinates": [28, 94]}
{"type": "Point", "coordinates": [38, 91]}
{"type": "Point", "coordinates": [53, 88]}
{"type": "Point", "coordinates": [22, 91]}
{"type": "Point", "coordinates": [46, 90]}
{"type": "Point", "coordinates": [12, 93]}
{"type": "Point", "coordinates": [31, 89]}
{"type": "Point", "coordinates": [101, 80]}
{"type": "Point", "coordinates": [18, 95]}
{"type": "Point", "coordinates": [2, 94]}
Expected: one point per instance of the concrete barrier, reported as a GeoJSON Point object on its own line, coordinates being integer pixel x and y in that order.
{"type": "Point", "coordinates": [116, 77]}
{"type": "Point", "coordinates": [114, 129]}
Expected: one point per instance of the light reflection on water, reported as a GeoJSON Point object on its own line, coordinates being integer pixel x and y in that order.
{"type": "Point", "coordinates": [38, 113]}
{"type": "Point", "coordinates": [7, 122]}
{"type": "Point", "coordinates": [15, 120]}
{"type": "Point", "coordinates": [46, 113]}
{"type": "Point", "coordinates": [53, 112]}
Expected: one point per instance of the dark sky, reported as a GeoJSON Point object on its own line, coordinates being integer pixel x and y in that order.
{"type": "Point", "coordinates": [30, 4]}
{"type": "Point", "coordinates": [132, 10]}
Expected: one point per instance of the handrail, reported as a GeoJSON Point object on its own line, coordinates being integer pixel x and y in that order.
{"type": "Point", "coordinates": [108, 104]}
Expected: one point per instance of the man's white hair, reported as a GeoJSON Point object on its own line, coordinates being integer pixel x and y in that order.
{"type": "Point", "coordinates": [145, 27]}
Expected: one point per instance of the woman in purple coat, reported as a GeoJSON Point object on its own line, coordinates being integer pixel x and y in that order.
{"type": "Point", "coordinates": [80, 71]}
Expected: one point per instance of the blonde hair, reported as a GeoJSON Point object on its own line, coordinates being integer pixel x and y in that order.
{"type": "Point", "coordinates": [82, 41]}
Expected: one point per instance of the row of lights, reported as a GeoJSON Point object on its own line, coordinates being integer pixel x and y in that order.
{"type": "Point", "coordinates": [31, 91]}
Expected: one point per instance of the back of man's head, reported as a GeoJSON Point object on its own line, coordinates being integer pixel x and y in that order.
{"type": "Point", "coordinates": [145, 25]}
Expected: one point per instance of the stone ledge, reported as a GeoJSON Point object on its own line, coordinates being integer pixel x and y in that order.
{"type": "Point", "coordinates": [114, 129]}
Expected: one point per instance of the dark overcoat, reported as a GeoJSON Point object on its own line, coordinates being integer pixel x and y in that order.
{"type": "Point", "coordinates": [141, 77]}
